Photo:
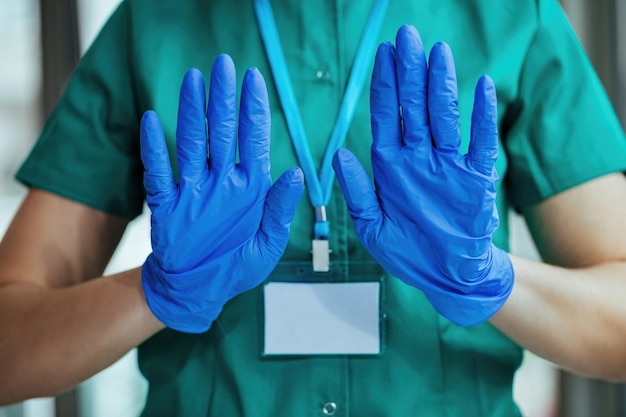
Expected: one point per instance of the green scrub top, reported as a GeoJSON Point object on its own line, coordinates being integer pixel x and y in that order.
{"type": "Point", "coordinates": [557, 130]}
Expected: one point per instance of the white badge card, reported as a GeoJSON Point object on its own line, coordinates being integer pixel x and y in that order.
{"type": "Point", "coordinates": [322, 318]}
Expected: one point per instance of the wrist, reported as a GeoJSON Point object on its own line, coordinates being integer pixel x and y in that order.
{"type": "Point", "coordinates": [177, 309]}
{"type": "Point", "coordinates": [476, 303]}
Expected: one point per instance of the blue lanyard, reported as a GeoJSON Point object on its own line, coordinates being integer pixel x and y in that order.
{"type": "Point", "coordinates": [319, 188]}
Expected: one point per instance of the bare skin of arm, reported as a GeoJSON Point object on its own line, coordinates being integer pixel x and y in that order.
{"type": "Point", "coordinates": [571, 310]}
{"type": "Point", "coordinates": [58, 326]}
{"type": "Point", "coordinates": [572, 314]}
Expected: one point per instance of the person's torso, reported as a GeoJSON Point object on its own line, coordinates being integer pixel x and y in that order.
{"type": "Point", "coordinates": [429, 367]}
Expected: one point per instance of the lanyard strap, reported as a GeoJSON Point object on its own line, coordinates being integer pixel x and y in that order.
{"type": "Point", "coordinates": [319, 187]}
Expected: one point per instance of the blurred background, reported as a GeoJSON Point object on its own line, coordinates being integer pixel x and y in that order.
{"type": "Point", "coordinates": [41, 42]}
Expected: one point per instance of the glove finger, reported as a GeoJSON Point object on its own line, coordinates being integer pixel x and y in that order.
{"type": "Point", "coordinates": [191, 145]}
{"type": "Point", "coordinates": [357, 188]}
{"type": "Point", "coordinates": [412, 76]}
{"type": "Point", "coordinates": [157, 177]}
{"type": "Point", "coordinates": [483, 147]}
{"type": "Point", "coordinates": [384, 102]}
{"type": "Point", "coordinates": [254, 124]}
{"type": "Point", "coordinates": [222, 115]}
{"type": "Point", "coordinates": [280, 207]}
{"type": "Point", "coordinates": [443, 102]}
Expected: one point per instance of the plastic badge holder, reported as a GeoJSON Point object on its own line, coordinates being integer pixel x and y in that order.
{"type": "Point", "coordinates": [339, 312]}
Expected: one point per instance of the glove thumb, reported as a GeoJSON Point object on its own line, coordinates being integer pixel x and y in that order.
{"type": "Point", "coordinates": [280, 207]}
{"type": "Point", "coordinates": [357, 190]}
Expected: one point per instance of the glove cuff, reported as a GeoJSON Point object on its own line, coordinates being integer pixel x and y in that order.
{"type": "Point", "coordinates": [168, 306]}
{"type": "Point", "coordinates": [486, 299]}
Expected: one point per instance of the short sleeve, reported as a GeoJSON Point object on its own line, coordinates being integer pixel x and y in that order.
{"type": "Point", "coordinates": [88, 150]}
{"type": "Point", "coordinates": [564, 131]}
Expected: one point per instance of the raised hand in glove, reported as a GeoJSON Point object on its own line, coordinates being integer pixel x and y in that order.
{"type": "Point", "coordinates": [430, 218]}
{"type": "Point", "coordinates": [222, 228]}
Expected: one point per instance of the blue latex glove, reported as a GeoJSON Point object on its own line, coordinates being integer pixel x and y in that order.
{"type": "Point", "coordinates": [430, 219]}
{"type": "Point", "coordinates": [221, 230]}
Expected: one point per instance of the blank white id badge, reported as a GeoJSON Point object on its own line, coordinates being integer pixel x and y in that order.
{"type": "Point", "coordinates": [334, 313]}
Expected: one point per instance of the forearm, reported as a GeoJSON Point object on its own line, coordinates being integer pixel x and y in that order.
{"type": "Point", "coordinates": [52, 339]}
{"type": "Point", "coordinates": [575, 318]}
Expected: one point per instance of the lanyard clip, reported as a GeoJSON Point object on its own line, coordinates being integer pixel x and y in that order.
{"type": "Point", "coordinates": [321, 255]}
{"type": "Point", "coordinates": [320, 214]}
{"type": "Point", "coordinates": [320, 249]}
